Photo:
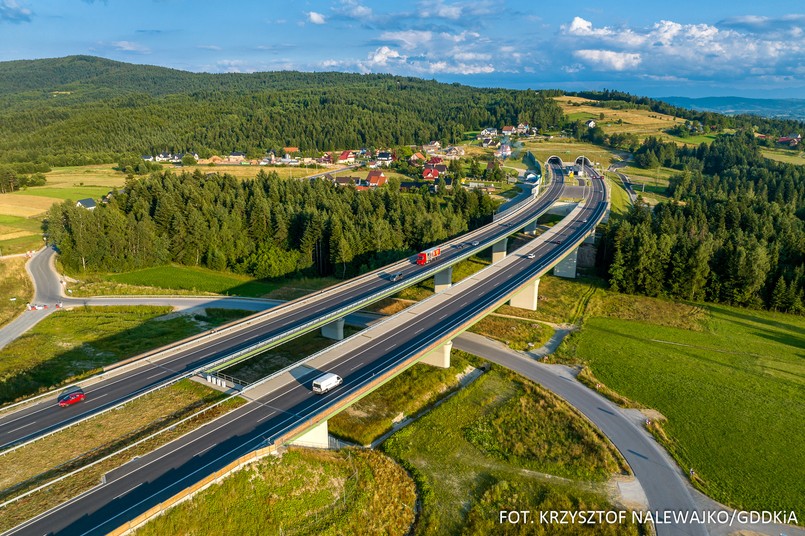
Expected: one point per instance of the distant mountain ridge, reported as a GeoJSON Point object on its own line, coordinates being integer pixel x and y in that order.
{"type": "Point", "coordinates": [775, 108]}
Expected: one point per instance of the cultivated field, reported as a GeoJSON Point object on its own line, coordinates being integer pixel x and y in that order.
{"type": "Point", "coordinates": [641, 122]}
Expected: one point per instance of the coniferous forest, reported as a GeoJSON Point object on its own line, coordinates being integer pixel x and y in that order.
{"type": "Point", "coordinates": [80, 110]}
{"type": "Point", "coordinates": [266, 227]}
{"type": "Point", "coordinates": [734, 232]}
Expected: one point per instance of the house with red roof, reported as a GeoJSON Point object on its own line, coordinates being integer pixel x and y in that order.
{"type": "Point", "coordinates": [430, 174]}
{"type": "Point", "coordinates": [416, 158]}
{"type": "Point", "coordinates": [376, 178]}
{"type": "Point", "coordinates": [346, 157]}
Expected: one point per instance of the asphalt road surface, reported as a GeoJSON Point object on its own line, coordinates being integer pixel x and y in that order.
{"type": "Point", "coordinates": [148, 480]}
{"type": "Point", "coordinates": [43, 417]}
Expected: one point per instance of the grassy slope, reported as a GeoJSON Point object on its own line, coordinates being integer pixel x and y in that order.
{"type": "Point", "coordinates": [462, 488]}
{"type": "Point", "coordinates": [304, 492]}
{"type": "Point", "coordinates": [73, 344]}
{"type": "Point", "coordinates": [14, 283]}
{"type": "Point", "coordinates": [407, 394]}
{"type": "Point", "coordinates": [731, 383]}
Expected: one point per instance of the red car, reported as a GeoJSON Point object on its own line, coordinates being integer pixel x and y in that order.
{"type": "Point", "coordinates": [68, 399]}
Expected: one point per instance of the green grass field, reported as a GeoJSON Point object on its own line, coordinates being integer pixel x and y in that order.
{"type": "Point", "coordinates": [303, 492]}
{"type": "Point", "coordinates": [487, 449]}
{"type": "Point", "coordinates": [693, 140]}
{"type": "Point", "coordinates": [787, 156]}
{"type": "Point", "coordinates": [405, 395]}
{"type": "Point", "coordinates": [731, 383]}
{"type": "Point", "coordinates": [618, 197]}
{"type": "Point", "coordinates": [19, 234]}
{"type": "Point", "coordinates": [194, 279]}
{"type": "Point", "coordinates": [74, 193]}
{"type": "Point", "coordinates": [73, 344]}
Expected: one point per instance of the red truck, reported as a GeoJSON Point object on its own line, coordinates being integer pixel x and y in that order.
{"type": "Point", "coordinates": [428, 255]}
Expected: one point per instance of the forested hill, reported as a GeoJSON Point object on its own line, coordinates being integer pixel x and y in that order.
{"type": "Point", "coordinates": [82, 109]}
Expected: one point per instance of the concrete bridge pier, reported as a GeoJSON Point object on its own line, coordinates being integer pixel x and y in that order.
{"type": "Point", "coordinates": [317, 437]}
{"type": "Point", "coordinates": [334, 330]}
{"type": "Point", "coordinates": [443, 280]}
{"type": "Point", "coordinates": [567, 266]}
{"type": "Point", "coordinates": [499, 250]}
{"type": "Point", "coordinates": [440, 357]}
{"type": "Point", "coordinates": [527, 297]}
{"type": "Point", "coordinates": [531, 228]}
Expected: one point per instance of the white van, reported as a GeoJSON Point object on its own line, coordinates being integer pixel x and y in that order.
{"type": "Point", "coordinates": [325, 383]}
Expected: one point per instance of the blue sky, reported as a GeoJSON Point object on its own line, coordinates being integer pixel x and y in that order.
{"type": "Point", "coordinates": [690, 48]}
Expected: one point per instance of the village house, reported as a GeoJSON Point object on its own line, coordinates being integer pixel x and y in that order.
{"type": "Point", "coordinates": [488, 133]}
{"type": "Point", "coordinates": [384, 158]}
{"type": "Point", "coordinates": [505, 151]}
{"type": "Point", "coordinates": [346, 157]}
{"type": "Point", "coordinates": [235, 157]}
{"type": "Point", "coordinates": [792, 140]}
{"type": "Point", "coordinates": [590, 124]}
{"type": "Point", "coordinates": [376, 178]}
{"type": "Point", "coordinates": [522, 128]}
{"type": "Point", "coordinates": [88, 204]}
{"type": "Point", "coordinates": [430, 174]}
{"type": "Point", "coordinates": [454, 152]}
{"type": "Point", "coordinates": [416, 158]}
{"type": "Point", "coordinates": [509, 131]}
{"type": "Point", "coordinates": [432, 147]}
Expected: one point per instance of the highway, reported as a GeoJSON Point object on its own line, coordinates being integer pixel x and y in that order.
{"type": "Point", "coordinates": [37, 419]}
{"type": "Point", "coordinates": [276, 415]}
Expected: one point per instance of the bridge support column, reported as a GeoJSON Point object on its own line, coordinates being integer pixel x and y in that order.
{"type": "Point", "coordinates": [567, 266]}
{"type": "Point", "coordinates": [443, 280]}
{"type": "Point", "coordinates": [590, 238]}
{"type": "Point", "coordinates": [334, 330]}
{"type": "Point", "coordinates": [526, 298]}
{"type": "Point", "coordinates": [440, 357]}
{"type": "Point", "coordinates": [531, 228]}
{"type": "Point", "coordinates": [317, 437]}
{"type": "Point", "coordinates": [499, 250]}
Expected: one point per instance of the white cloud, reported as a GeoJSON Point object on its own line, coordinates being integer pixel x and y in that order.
{"type": "Point", "coordinates": [409, 39]}
{"type": "Point", "coordinates": [439, 9]}
{"type": "Point", "coordinates": [209, 47]}
{"type": "Point", "coordinates": [382, 55]}
{"type": "Point", "coordinates": [732, 48]}
{"type": "Point", "coordinates": [131, 46]}
{"type": "Point", "coordinates": [609, 59]}
{"type": "Point", "coordinates": [11, 11]}
{"type": "Point", "coordinates": [355, 9]}
{"type": "Point", "coordinates": [316, 18]}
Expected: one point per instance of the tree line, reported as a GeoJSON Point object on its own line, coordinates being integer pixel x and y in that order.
{"type": "Point", "coordinates": [265, 227]}
{"type": "Point", "coordinates": [733, 233]}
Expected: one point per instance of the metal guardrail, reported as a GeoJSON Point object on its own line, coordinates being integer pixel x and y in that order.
{"type": "Point", "coordinates": [244, 353]}
{"type": "Point", "coordinates": [264, 380]}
